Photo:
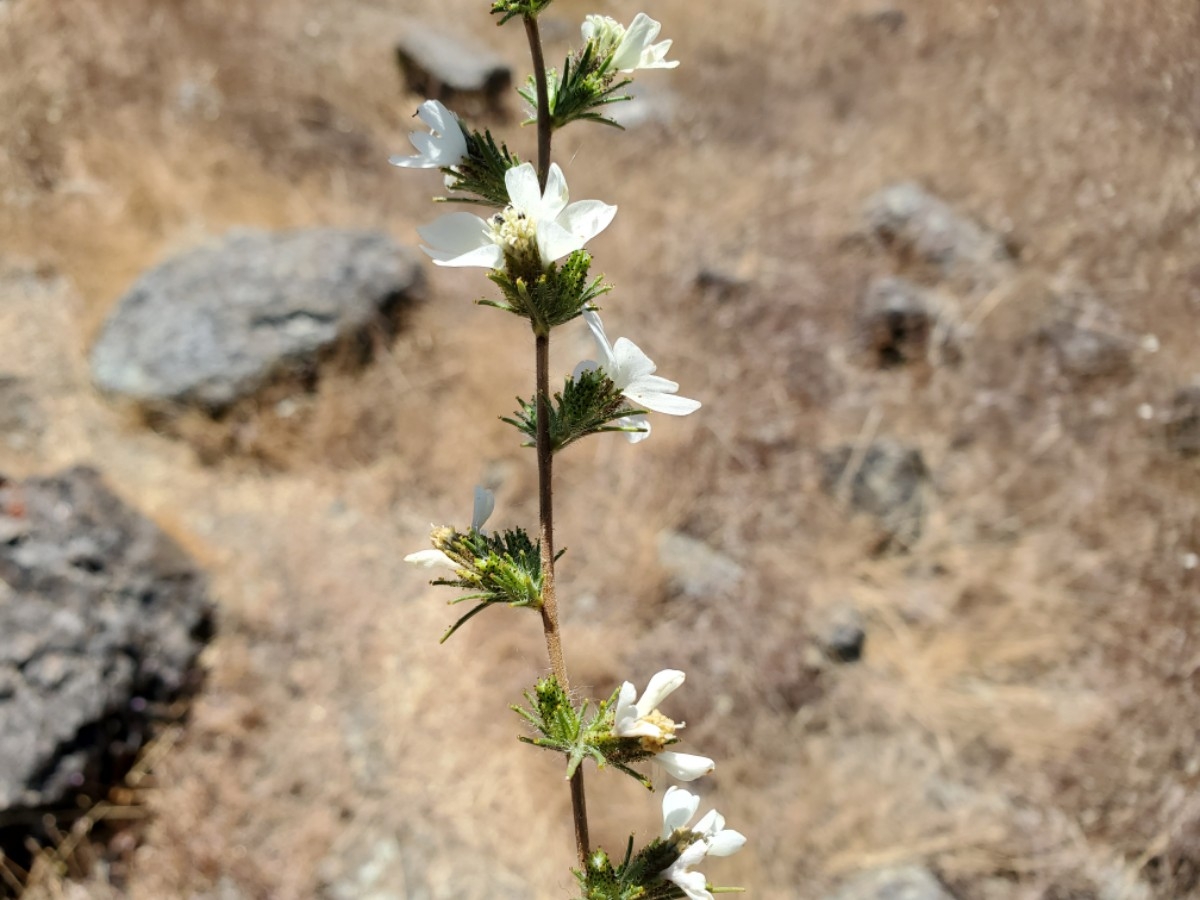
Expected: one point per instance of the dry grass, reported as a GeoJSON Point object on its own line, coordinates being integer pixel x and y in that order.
{"type": "Point", "coordinates": [1024, 719]}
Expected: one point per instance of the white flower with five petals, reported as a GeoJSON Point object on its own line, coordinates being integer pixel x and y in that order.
{"type": "Point", "coordinates": [632, 371]}
{"type": "Point", "coordinates": [444, 146]}
{"type": "Point", "coordinates": [640, 718]}
{"type": "Point", "coordinates": [485, 502]}
{"type": "Point", "coordinates": [708, 837]}
{"type": "Point", "coordinates": [631, 47]}
{"type": "Point", "coordinates": [534, 219]}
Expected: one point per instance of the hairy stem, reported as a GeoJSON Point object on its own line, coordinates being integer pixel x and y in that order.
{"type": "Point", "coordinates": [545, 456]}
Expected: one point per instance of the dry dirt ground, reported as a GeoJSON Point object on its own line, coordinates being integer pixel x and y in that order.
{"type": "Point", "coordinates": [1024, 721]}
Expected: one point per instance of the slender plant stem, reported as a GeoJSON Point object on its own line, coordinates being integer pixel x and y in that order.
{"type": "Point", "coordinates": [545, 457]}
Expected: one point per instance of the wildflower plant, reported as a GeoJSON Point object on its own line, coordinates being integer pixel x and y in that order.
{"type": "Point", "coordinates": [532, 244]}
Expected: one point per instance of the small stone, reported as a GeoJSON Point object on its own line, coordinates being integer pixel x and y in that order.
{"type": "Point", "coordinates": [885, 480]}
{"type": "Point", "coordinates": [217, 324]}
{"type": "Point", "coordinates": [446, 67]}
{"type": "Point", "coordinates": [900, 883]}
{"type": "Point", "coordinates": [845, 640]}
{"type": "Point", "coordinates": [888, 20]}
{"type": "Point", "coordinates": [915, 224]}
{"type": "Point", "coordinates": [896, 321]}
{"type": "Point", "coordinates": [695, 569]}
{"type": "Point", "coordinates": [1183, 421]}
{"type": "Point", "coordinates": [1084, 353]}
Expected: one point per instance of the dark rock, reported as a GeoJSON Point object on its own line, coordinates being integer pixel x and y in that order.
{"type": "Point", "coordinates": [217, 324]}
{"type": "Point", "coordinates": [1084, 353]}
{"type": "Point", "coordinates": [888, 20]}
{"type": "Point", "coordinates": [446, 67]}
{"type": "Point", "coordinates": [885, 480]}
{"type": "Point", "coordinates": [101, 619]}
{"type": "Point", "coordinates": [1183, 421]}
{"type": "Point", "coordinates": [695, 569]}
{"type": "Point", "coordinates": [21, 421]}
{"type": "Point", "coordinates": [919, 226]}
{"type": "Point", "coordinates": [897, 321]}
{"type": "Point", "coordinates": [842, 635]}
{"type": "Point", "coordinates": [900, 883]}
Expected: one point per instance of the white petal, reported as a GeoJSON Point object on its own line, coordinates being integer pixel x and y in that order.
{"type": "Point", "coordinates": [554, 200]}
{"type": "Point", "coordinates": [710, 823]}
{"type": "Point", "coordinates": [461, 239]}
{"type": "Point", "coordinates": [685, 766]}
{"type": "Point", "coordinates": [523, 190]}
{"type": "Point", "coordinates": [631, 362]}
{"type": "Point", "coordinates": [661, 686]}
{"type": "Point", "coordinates": [554, 241]}
{"type": "Point", "coordinates": [635, 437]}
{"type": "Point", "coordinates": [594, 324]}
{"type": "Point", "coordinates": [587, 365]}
{"type": "Point", "coordinates": [641, 31]}
{"type": "Point", "coordinates": [694, 884]}
{"type": "Point", "coordinates": [625, 703]}
{"type": "Point", "coordinates": [430, 559]}
{"type": "Point", "coordinates": [726, 843]}
{"type": "Point", "coordinates": [485, 502]}
{"type": "Point", "coordinates": [679, 805]}
{"type": "Point", "coordinates": [660, 402]}
{"type": "Point", "coordinates": [586, 219]}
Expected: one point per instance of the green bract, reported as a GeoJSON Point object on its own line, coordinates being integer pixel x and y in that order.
{"type": "Point", "coordinates": [587, 404]}
{"type": "Point", "coordinates": [548, 298]}
{"type": "Point", "coordinates": [481, 171]}
{"type": "Point", "coordinates": [510, 9]}
{"type": "Point", "coordinates": [585, 86]}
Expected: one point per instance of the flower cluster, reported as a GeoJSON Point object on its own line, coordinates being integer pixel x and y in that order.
{"type": "Point", "coordinates": [532, 244]}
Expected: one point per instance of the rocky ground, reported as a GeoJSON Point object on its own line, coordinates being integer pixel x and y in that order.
{"type": "Point", "coordinates": [928, 553]}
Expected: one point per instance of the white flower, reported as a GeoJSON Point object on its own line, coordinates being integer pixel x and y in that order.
{"type": "Point", "coordinates": [709, 837]}
{"type": "Point", "coordinates": [640, 718]}
{"type": "Point", "coordinates": [533, 220]}
{"type": "Point", "coordinates": [631, 47]}
{"type": "Point", "coordinates": [633, 374]}
{"type": "Point", "coordinates": [444, 146]}
{"type": "Point", "coordinates": [485, 502]}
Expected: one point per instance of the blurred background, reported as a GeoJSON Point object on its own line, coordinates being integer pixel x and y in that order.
{"type": "Point", "coordinates": [928, 554]}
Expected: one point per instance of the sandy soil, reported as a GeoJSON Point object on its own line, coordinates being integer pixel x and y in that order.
{"type": "Point", "coordinates": [1024, 719]}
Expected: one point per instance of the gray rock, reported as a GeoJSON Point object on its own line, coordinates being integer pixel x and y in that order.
{"type": "Point", "coordinates": [915, 224]}
{"type": "Point", "coordinates": [885, 480]}
{"type": "Point", "coordinates": [21, 420]}
{"type": "Point", "coordinates": [1183, 421]}
{"type": "Point", "coordinates": [1085, 353]}
{"type": "Point", "coordinates": [101, 619]}
{"type": "Point", "coordinates": [897, 321]}
{"type": "Point", "coordinates": [446, 67]}
{"type": "Point", "coordinates": [900, 883]}
{"type": "Point", "coordinates": [694, 568]}
{"type": "Point", "coordinates": [217, 324]}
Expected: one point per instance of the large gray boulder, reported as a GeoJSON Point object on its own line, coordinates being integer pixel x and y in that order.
{"type": "Point", "coordinates": [216, 324]}
{"type": "Point", "coordinates": [101, 619]}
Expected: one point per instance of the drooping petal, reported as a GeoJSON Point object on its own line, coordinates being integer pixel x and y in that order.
{"type": "Point", "coordinates": [661, 686]}
{"type": "Point", "coordinates": [592, 319]}
{"type": "Point", "coordinates": [635, 50]}
{"type": "Point", "coordinates": [586, 218]}
{"type": "Point", "coordinates": [444, 146]}
{"type": "Point", "coordinates": [626, 708]}
{"type": "Point", "coordinates": [524, 193]}
{"type": "Point", "coordinates": [642, 422]}
{"type": "Point", "coordinates": [485, 502]}
{"type": "Point", "coordinates": [694, 884]}
{"type": "Point", "coordinates": [679, 805]}
{"type": "Point", "coordinates": [710, 823]}
{"type": "Point", "coordinates": [685, 766]}
{"type": "Point", "coordinates": [726, 843]}
{"type": "Point", "coordinates": [461, 239]}
{"type": "Point", "coordinates": [431, 559]}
